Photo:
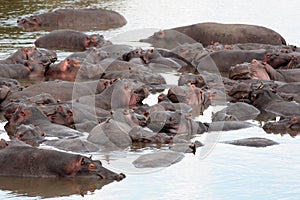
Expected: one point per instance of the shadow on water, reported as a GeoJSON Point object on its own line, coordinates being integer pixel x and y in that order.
{"type": "Point", "coordinates": [51, 187]}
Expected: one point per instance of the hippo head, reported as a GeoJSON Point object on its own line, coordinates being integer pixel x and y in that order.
{"type": "Point", "coordinates": [253, 70]}
{"type": "Point", "coordinates": [29, 134]}
{"type": "Point", "coordinates": [66, 70]}
{"type": "Point", "coordinates": [3, 144]}
{"type": "Point", "coordinates": [190, 95]}
{"type": "Point", "coordinates": [288, 124]}
{"type": "Point", "coordinates": [168, 39]}
{"type": "Point", "coordinates": [98, 41]}
{"type": "Point", "coordinates": [277, 60]}
{"type": "Point", "coordinates": [26, 115]}
{"type": "Point", "coordinates": [29, 22]}
{"type": "Point", "coordinates": [86, 167]}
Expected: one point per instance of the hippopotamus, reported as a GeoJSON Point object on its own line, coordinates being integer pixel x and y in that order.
{"type": "Point", "coordinates": [143, 76]}
{"type": "Point", "coordinates": [237, 112]}
{"type": "Point", "coordinates": [64, 18]}
{"type": "Point", "coordinates": [70, 40]}
{"type": "Point", "coordinates": [132, 92]}
{"type": "Point", "coordinates": [227, 125]}
{"type": "Point", "coordinates": [29, 134]}
{"type": "Point", "coordinates": [197, 98]}
{"type": "Point", "coordinates": [31, 54]}
{"type": "Point", "coordinates": [32, 115]}
{"type": "Point", "coordinates": [221, 61]}
{"type": "Point", "coordinates": [27, 62]}
{"type": "Point", "coordinates": [111, 135]}
{"type": "Point", "coordinates": [3, 143]}
{"type": "Point", "coordinates": [277, 60]}
{"type": "Point", "coordinates": [79, 145]}
{"type": "Point", "coordinates": [266, 100]}
{"type": "Point", "coordinates": [8, 86]}
{"type": "Point", "coordinates": [263, 71]}
{"type": "Point", "coordinates": [138, 134]}
{"type": "Point", "coordinates": [55, 88]}
{"type": "Point", "coordinates": [26, 161]}
{"type": "Point", "coordinates": [208, 33]}
{"type": "Point", "coordinates": [154, 59]}
{"type": "Point", "coordinates": [174, 123]}
{"type": "Point", "coordinates": [252, 142]}
{"type": "Point", "coordinates": [289, 91]}
{"type": "Point", "coordinates": [158, 159]}
{"type": "Point", "coordinates": [15, 71]}
{"type": "Point", "coordinates": [191, 52]}
{"type": "Point", "coordinates": [289, 124]}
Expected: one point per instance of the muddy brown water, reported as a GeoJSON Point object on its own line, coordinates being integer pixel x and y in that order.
{"type": "Point", "coordinates": [219, 171]}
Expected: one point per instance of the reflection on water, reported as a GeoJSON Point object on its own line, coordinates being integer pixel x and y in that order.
{"type": "Point", "coordinates": [50, 187]}
{"type": "Point", "coordinates": [229, 172]}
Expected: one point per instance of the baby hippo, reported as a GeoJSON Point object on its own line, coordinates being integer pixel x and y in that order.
{"type": "Point", "coordinates": [25, 161]}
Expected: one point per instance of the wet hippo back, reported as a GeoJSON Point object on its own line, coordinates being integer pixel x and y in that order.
{"type": "Point", "coordinates": [208, 33]}
{"type": "Point", "coordinates": [82, 19]}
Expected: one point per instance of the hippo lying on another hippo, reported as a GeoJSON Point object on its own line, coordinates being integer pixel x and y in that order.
{"type": "Point", "coordinates": [84, 19]}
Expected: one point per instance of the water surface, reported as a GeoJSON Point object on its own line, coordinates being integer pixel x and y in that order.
{"type": "Point", "coordinates": [227, 172]}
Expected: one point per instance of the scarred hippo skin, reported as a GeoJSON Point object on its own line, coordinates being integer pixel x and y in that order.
{"type": "Point", "coordinates": [69, 40]}
{"type": "Point", "coordinates": [27, 161]}
{"type": "Point", "coordinates": [208, 33]}
{"type": "Point", "coordinates": [252, 142]}
{"type": "Point", "coordinates": [65, 18]}
{"type": "Point", "coordinates": [288, 124]}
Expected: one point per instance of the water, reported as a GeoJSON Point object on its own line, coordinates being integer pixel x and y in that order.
{"type": "Point", "coordinates": [227, 172]}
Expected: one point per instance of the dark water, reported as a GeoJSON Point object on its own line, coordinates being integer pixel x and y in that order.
{"type": "Point", "coordinates": [221, 172]}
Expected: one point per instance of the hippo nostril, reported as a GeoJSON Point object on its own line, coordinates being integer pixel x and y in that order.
{"type": "Point", "coordinates": [120, 177]}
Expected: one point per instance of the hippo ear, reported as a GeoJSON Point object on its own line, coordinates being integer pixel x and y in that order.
{"type": "Point", "coordinates": [59, 108]}
{"type": "Point", "coordinates": [94, 39]}
{"type": "Point", "coordinates": [82, 161]}
{"type": "Point", "coordinates": [26, 112]}
{"type": "Point", "coordinates": [161, 34]}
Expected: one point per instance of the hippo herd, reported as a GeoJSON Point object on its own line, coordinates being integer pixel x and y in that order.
{"type": "Point", "coordinates": [93, 100]}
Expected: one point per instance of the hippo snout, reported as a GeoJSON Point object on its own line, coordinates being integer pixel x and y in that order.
{"type": "Point", "coordinates": [119, 177]}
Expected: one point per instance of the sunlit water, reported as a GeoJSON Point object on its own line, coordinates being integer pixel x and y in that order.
{"type": "Point", "coordinates": [226, 171]}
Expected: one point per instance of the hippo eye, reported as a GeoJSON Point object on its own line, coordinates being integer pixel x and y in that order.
{"type": "Point", "coordinates": [20, 135]}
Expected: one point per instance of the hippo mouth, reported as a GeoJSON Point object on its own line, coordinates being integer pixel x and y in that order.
{"type": "Point", "coordinates": [117, 177]}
